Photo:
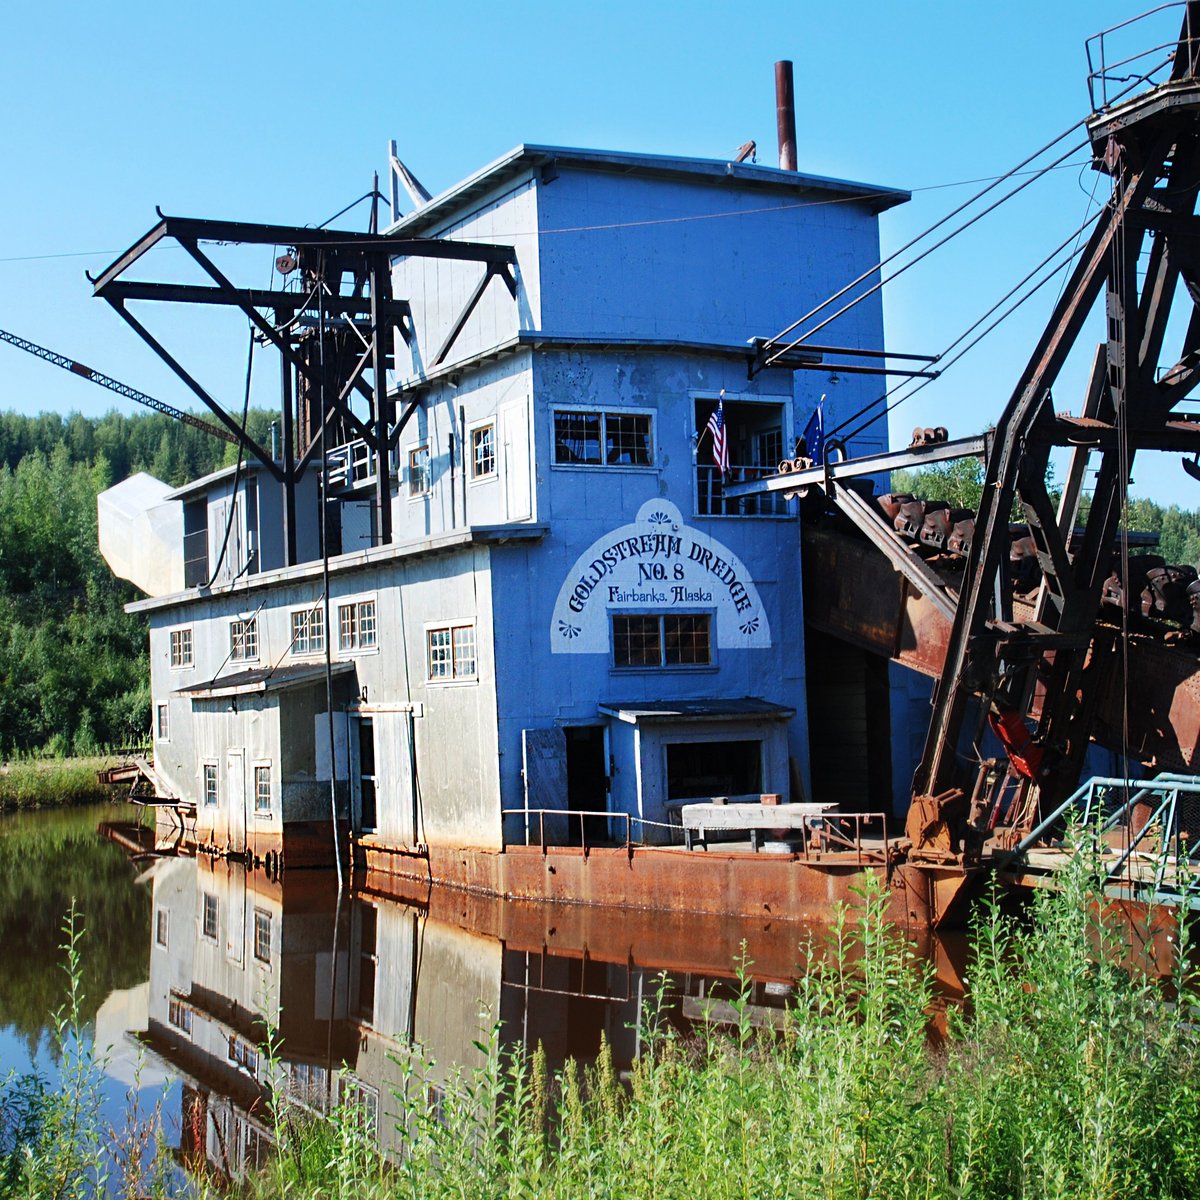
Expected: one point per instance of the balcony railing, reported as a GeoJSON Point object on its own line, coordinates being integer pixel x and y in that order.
{"type": "Point", "coordinates": [350, 466]}
{"type": "Point", "coordinates": [710, 493]}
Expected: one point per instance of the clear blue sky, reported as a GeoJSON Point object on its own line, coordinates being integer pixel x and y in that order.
{"type": "Point", "coordinates": [269, 111]}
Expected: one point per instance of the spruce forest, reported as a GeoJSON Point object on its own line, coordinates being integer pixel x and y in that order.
{"type": "Point", "coordinates": [74, 676]}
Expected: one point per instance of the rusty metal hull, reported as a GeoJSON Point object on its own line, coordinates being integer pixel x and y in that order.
{"type": "Point", "coordinates": [747, 886]}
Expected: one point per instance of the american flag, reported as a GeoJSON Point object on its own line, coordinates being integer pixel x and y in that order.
{"type": "Point", "coordinates": [720, 446]}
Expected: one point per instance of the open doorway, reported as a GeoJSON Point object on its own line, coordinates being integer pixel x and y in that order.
{"type": "Point", "coordinates": [367, 816]}
{"type": "Point", "coordinates": [587, 782]}
{"type": "Point", "coordinates": [754, 432]}
{"type": "Point", "coordinates": [697, 770]}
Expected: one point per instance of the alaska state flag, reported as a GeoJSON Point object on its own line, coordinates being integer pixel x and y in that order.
{"type": "Point", "coordinates": [814, 434]}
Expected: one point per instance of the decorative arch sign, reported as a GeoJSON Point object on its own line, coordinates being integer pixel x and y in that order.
{"type": "Point", "coordinates": [656, 564]}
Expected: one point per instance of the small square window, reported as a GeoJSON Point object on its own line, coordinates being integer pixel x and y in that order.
{"type": "Point", "coordinates": [179, 1015]}
{"type": "Point", "coordinates": [210, 916]}
{"type": "Point", "coordinates": [210, 785]}
{"type": "Point", "coordinates": [243, 640]}
{"type": "Point", "coordinates": [483, 451]}
{"type": "Point", "coordinates": [418, 471]}
{"type": "Point", "coordinates": [181, 647]}
{"type": "Point", "coordinates": [308, 630]}
{"type": "Point", "coordinates": [262, 935]}
{"type": "Point", "coordinates": [162, 720]}
{"type": "Point", "coordinates": [262, 790]}
{"type": "Point", "coordinates": [662, 640]}
{"type": "Point", "coordinates": [357, 629]}
{"type": "Point", "coordinates": [450, 653]}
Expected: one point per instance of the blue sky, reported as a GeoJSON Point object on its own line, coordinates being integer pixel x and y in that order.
{"type": "Point", "coordinates": [281, 112]}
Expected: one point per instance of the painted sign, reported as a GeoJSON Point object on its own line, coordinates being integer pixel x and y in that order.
{"type": "Point", "coordinates": [656, 564]}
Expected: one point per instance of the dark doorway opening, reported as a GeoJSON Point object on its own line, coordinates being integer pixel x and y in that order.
{"type": "Point", "coordinates": [699, 769]}
{"type": "Point", "coordinates": [366, 777]}
{"type": "Point", "coordinates": [587, 783]}
{"type": "Point", "coordinates": [849, 724]}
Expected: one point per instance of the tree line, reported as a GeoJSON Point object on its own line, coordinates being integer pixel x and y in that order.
{"type": "Point", "coordinates": [960, 483]}
{"type": "Point", "coordinates": [74, 673]}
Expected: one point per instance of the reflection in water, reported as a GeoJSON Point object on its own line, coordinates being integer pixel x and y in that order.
{"type": "Point", "coordinates": [254, 986]}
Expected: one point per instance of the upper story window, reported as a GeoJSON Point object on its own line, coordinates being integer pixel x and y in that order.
{"type": "Point", "coordinates": [179, 1015]}
{"type": "Point", "coordinates": [662, 639]}
{"type": "Point", "coordinates": [181, 647]}
{"type": "Point", "coordinates": [754, 434]}
{"type": "Point", "coordinates": [357, 629]}
{"type": "Point", "coordinates": [483, 451]}
{"type": "Point", "coordinates": [308, 630]}
{"type": "Point", "coordinates": [210, 785]}
{"type": "Point", "coordinates": [418, 471]}
{"type": "Point", "coordinates": [243, 640]}
{"type": "Point", "coordinates": [262, 935]}
{"type": "Point", "coordinates": [262, 791]}
{"type": "Point", "coordinates": [603, 439]}
{"type": "Point", "coordinates": [210, 916]}
{"type": "Point", "coordinates": [450, 653]}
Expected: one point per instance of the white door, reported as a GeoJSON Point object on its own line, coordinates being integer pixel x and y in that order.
{"type": "Point", "coordinates": [235, 777]}
{"type": "Point", "coordinates": [514, 447]}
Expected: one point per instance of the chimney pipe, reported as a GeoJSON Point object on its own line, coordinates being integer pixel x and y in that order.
{"type": "Point", "coordinates": [785, 114]}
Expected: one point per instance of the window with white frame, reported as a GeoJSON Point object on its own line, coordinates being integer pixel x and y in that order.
{"type": "Point", "coordinates": [243, 1053]}
{"type": "Point", "coordinates": [418, 471]}
{"type": "Point", "coordinates": [483, 451]}
{"type": "Point", "coordinates": [662, 639]}
{"type": "Point", "coordinates": [181, 647]}
{"type": "Point", "coordinates": [210, 916]}
{"type": "Point", "coordinates": [162, 721]}
{"type": "Point", "coordinates": [262, 791]}
{"type": "Point", "coordinates": [210, 785]}
{"type": "Point", "coordinates": [262, 935]}
{"type": "Point", "coordinates": [603, 438]}
{"type": "Point", "coordinates": [357, 628]}
{"type": "Point", "coordinates": [243, 639]}
{"type": "Point", "coordinates": [179, 1015]}
{"type": "Point", "coordinates": [308, 630]}
{"type": "Point", "coordinates": [450, 653]}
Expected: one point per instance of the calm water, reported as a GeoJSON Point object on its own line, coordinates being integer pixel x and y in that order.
{"type": "Point", "coordinates": [187, 964]}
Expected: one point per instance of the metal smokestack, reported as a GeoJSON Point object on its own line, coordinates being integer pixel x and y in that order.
{"type": "Point", "coordinates": [785, 114]}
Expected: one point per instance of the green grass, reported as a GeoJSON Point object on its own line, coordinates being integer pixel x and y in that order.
{"type": "Point", "coordinates": [51, 782]}
{"type": "Point", "coordinates": [1068, 1075]}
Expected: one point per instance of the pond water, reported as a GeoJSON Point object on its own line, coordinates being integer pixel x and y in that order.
{"type": "Point", "coordinates": [189, 966]}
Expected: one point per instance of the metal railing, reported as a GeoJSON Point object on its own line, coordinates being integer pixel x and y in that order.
{"type": "Point", "coordinates": [350, 466]}
{"type": "Point", "coordinates": [1145, 833]}
{"type": "Point", "coordinates": [1114, 74]}
{"type": "Point", "coordinates": [536, 820]}
{"type": "Point", "coordinates": [712, 502]}
{"type": "Point", "coordinates": [818, 834]}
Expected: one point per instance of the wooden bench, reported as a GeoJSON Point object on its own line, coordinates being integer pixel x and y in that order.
{"type": "Point", "coordinates": [698, 819]}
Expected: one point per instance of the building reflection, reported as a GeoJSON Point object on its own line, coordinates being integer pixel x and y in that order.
{"type": "Point", "coordinates": [257, 986]}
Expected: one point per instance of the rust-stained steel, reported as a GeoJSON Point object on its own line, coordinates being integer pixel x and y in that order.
{"type": "Point", "coordinates": [785, 114]}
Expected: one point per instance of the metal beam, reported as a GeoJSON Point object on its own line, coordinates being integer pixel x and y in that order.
{"type": "Point", "coordinates": [900, 554]}
{"type": "Point", "coordinates": [851, 468]}
{"type": "Point", "coordinates": [463, 318]}
{"type": "Point", "coordinates": [243, 437]}
{"type": "Point", "coordinates": [183, 293]}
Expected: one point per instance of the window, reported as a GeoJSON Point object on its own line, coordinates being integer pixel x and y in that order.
{"type": "Point", "coordinates": [451, 653]}
{"type": "Point", "coordinates": [210, 785]}
{"type": "Point", "coordinates": [163, 723]}
{"type": "Point", "coordinates": [308, 630]}
{"type": "Point", "coordinates": [754, 436]}
{"type": "Point", "coordinates": [418, 471]}
{"type": "Point", "coordinates": [483, 451]}
{"type": "Point", "coordinates": [610, 439]}
{"type": "Point", "coordinates": [162, 925]}
{"type": "Point", "coordinates": [243, 1053]}
{"type": "Point", "coordinates": [356, 626]}
{"type": "Point", "coordinates": [262, 791]}
{"type": "Point", "coordinates": [181, 647]}
{"type": "Point", "coordinates": [262, 935]}
{"type": "Point", "coordinates": [179, 1015]}
{"type": "Point", "coordinates": [662, 640]}
{"type": "Point", "coordinates": [209, 916]}
{"type": "Point", "coordinates": [243, 640]}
